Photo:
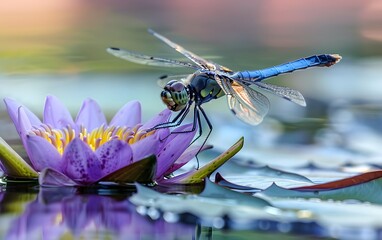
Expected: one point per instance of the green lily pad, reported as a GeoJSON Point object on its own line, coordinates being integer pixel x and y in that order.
{"type": "Point", "coordinates": [142, 171]}
{"type": "Point", "coordinates": [199, 175]}
{"type": "Point", "coordinates": [14, 165]}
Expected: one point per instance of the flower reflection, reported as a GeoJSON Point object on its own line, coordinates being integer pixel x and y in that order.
{"type": "Point", "coordinates": [58, 215]}
{"type": "Point", "coordinates": [88, 149]}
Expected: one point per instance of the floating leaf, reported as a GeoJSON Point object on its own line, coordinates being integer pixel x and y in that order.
{"type": "Point", "coordinates": [142, 171]}
{"type": "Point", "coordinates": [212, 190]}
{"type": "Point", "coordinates": [347, 182]}
{"type": "Point", "coordinates": [273, 172]}
{"type": "Point", "coordinates": [340, 219]}
{"type": "Point", "coordinates": [215, 203]}
{"type": "Point", "coordinates": [225, 183]}
{"type": "Point", "coordinates": [14, 165]}
{"type": "Point", "coordinates": [364, 187]}
{"type": "Point", "coordinates": [254, 180]}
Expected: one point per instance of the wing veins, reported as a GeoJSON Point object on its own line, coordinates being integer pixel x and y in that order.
{"type": "Point", "coordinates": [246, 103]}
{"type": "Point", "coordinates": [148, 60]}
{"type": "Point", "coordinates": [284, 92]}
{"type": "Point", "coordinates": [201, 62]}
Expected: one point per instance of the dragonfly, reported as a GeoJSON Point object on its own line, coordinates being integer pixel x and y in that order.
{"type": "Point", "coordinates": [210, 81]}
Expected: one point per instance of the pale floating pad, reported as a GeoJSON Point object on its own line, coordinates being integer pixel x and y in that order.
{"type": "Point", "coordinates": [142, 171]}
{"type": "Point", "coordinates": [217, 203]}
{"type": "Point", "coordinates": [14, 165]}
{"type": "Point", "coordinates": [261, 178]}
{"type": "Point", "coordinates": [212, 190]}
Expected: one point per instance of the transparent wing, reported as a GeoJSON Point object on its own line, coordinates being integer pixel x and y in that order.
{"type": "Point", "coordinates": [148, 60]}
{"type": "Point", "coordinates": [246, 103]}
{"type": "Point", "coordinates": [201, 62]}
{"type": "Point", "coordinates": [284, 92]}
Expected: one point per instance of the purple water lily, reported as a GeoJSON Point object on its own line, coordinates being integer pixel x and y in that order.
{"type": "Point", "coordinates": [86, 150]}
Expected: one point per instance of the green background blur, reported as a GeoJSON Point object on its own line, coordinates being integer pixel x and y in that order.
{"type": "Point", "coordinates": [58, 47]}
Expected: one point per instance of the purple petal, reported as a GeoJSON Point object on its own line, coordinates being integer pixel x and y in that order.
{"type": "Point", "coordinates": [50, 177]}
{"type": "Point", "coordinates": [129, 115]}
{"type": "Point", "coordinates": [114, 155]}
{"type": "Point", "coordinates": [162, 133]}
{"type": "Point", "coordinates": [162, 136]}
{"type": "Point", "coordinates": [90, 115]}
{"type": "Point", "coordinates": [146, 147]}
{"type": "Point", "coordinates": [13, 108]}
{"type": "Point", "coordinates": [56, 114]}
{"type": "Point", "coordinates": [24, 124]}
{"type": "Point", "coordinates": [177, 179]}
{"type": "Point", "coordinates": [42, 154]}
{"type": "Point", "coordinates": [80, 163]}
{"type": "Point", "coordinates": [175, 145]}
{"type": "Point", "coordinates": [179, 131]}
{"type": "Point", "coordinates": [162, 117]}
{"type": "Point", "coordinates": [24, 127]}
{"type": "Point", "coordinates": [186, 157]}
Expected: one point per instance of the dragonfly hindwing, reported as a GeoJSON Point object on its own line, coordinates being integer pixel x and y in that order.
{"type": "Point", "coordinates": [247, 104]}
{"type": "Point", "coordinates": [284, 92]}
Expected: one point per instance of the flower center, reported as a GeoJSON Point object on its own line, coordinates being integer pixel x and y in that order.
{"type": "Point", "coordinates": [60, 138]}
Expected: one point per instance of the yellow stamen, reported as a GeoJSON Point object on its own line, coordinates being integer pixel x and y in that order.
{"type": "Point", "coordinates": [60, 138]}
{"type": "Point", "coordinates": [97, 143]}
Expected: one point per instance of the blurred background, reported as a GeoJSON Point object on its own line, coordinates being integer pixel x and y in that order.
{"type": "Point", "coordinates": [58, 47]}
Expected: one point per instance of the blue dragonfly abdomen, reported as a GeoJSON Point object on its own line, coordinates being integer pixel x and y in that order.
{"type": "Point", "coordinates": [302, 63]}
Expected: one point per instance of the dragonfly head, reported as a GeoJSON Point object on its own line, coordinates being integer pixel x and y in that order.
{"type": "Point", "coordinates": [175, 95]}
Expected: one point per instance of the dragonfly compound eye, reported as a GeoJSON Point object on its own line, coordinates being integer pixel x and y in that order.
{"type": "Point", "coordinates": [177, 87]}
{"type": "Point", "coordinates": [175, 95]}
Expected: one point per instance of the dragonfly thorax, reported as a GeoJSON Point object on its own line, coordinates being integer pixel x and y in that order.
{"type": "Point", "coordinates": [175, 95]}
{"type": "Point", "coordinates": [205, 87]}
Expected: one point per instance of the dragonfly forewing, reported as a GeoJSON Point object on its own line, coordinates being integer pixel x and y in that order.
{"type": "Point", "coordinates": [148, 60]}
{"type": "Point", "coordinates": [201, 62]}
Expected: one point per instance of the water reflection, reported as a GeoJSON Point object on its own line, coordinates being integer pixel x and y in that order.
{"type": "Point", "coordinates": [62, 213]}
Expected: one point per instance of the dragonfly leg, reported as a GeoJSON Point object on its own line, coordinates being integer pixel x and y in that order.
{"type": "Point", "coordinates": [199, 123]}
{"type": "Point", "coordinates": [208, 122]}
{"type": "Point", "coordinates": [194, 122]}
{"type": "Point", "coordinates": [199, 108]}
{"type": "Point", "coordinates": [209, 127]}
{"type": "Point", "coordinates": [174, 122]}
